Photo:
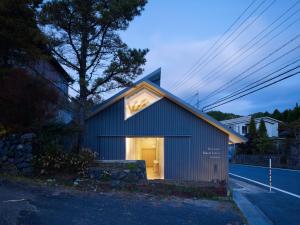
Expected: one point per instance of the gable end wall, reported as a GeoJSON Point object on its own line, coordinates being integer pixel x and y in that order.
{"type": "Point", "coordinates": [194, 149]}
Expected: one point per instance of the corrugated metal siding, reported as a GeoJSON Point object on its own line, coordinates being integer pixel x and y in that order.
{"type": "Point", "coordinates": [177, 158]}
{"type": "Point", "coordinates": [164, 119]}
{"type": "Point", "coordinates": [111, 147]}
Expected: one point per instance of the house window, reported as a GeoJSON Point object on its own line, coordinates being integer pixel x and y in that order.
{"type": "Point", "coordinates": [139, 101]}
{"type": "Point", "coordinates": [244, 129]}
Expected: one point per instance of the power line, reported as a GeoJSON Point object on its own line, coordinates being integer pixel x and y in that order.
{"type": "Point", "coordinates": [261, 79]}
{"type": "Point", "coordinates": [231, 59]}
{"type": "Point", "coordinates": [284, 78]}
{"type": "Point", "coordinates": [221, 47]}
{"type": "Point", "coordinates": [195, 66]}
{"type": "Point", "coordinates": [237, 36]}
{"type": "Point", "coordinates": [251, 86]}
{"type": "Point", "coordinates": [232, 81]}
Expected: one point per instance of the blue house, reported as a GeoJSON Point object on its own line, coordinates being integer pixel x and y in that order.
{"type": "Point", "coordinates": [176, 140]}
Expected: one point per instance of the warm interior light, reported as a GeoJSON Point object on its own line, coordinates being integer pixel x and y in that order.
{"type": "Point", "coordinates": [149, 149]}
{"type": "Point", "coordinates": [139, 101]}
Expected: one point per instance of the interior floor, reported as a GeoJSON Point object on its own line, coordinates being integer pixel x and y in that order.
{"type": "Point", "coordinates": [149, 149]}
{"type": "Point", "coordinates": [151, 174]}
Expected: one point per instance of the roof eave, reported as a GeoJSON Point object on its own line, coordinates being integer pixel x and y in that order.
{"type": "Point", "coordinates": [233, 136]}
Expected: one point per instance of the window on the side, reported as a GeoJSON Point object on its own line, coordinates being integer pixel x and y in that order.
{"type": "Point", "coordinates": [139, 101]}
{"type": "Point", "coordinates": [244, 130]}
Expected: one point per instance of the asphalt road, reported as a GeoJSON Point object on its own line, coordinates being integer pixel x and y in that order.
{"type": "Point", "coordinates": [40, 205]}
{"type": "Point", "coordinates": [288, 180]}
{"type": "Point", "coordinates": [280, 208]}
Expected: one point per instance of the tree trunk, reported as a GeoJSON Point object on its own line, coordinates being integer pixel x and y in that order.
{"type": "Point", "coordinates": [83, 87]}
{"type": "Point", "coordinates": [81, 122]}
{"type": "Point", "coordinates": [82, 108]}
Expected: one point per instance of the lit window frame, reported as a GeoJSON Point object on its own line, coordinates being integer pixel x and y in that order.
{"type": "Point", "coordinates": [134, 95]}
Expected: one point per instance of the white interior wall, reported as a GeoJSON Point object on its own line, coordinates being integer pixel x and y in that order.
{"type": "Point", "coordinates": [134, 147]}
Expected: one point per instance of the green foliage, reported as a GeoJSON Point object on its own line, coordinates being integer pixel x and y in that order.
{"type": "Point", "coordinates": [57, 136]}
{"type": "Point", "coordinates": [218, 115]}
{"type": "Point", "coordinates": [262, 130]}
{"type": "Point", "coordinates": [292, 130]}
{"type": "Point", "coordinates": [26, 101]}
{"type": "Point", "coordinates": [264, 144]}
{"type": "Point", "coordinates": [84, 35]}
{"type": "Point", "coordinates": [55, 161]}
{"type": "Point", "coordinates": [258, 141]}
{"type": "Point", "coordinates": [51, 158]}
{"type": "Point", "coordinates": [251, 146]}
{"type": "Point", "coordinates": [131, 166]}
{"type": "Point", "coordinates": [20, 38]}
{"type": "Point", "coordinates": [252, 128]}
{"type": "Point", "coordinates": [288, 115]}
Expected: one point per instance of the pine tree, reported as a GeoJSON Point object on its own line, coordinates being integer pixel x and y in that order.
{"type": "Point", "coordinates": [264, 143]}
{"type": "Point", "coordinates": [252, 137]}
{"type": "Point", "coordinates": [85, 36]}
{"type": "Point", "coordinates": [252, 128]}
{"type": "Point", "coordinates": [276, 114]}
{"type": "Point", "coordinates": [20, 37]}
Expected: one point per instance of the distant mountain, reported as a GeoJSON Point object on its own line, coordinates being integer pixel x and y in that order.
{"type": "Point", "coordinates": [288, 115]}
{"type": "Point", "coordinates": [218, 115]}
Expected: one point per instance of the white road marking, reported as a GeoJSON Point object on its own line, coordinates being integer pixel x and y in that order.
{"type": "Point", "coordinates": [15, 200]}
{"type": "Point", "coordinates": [276, 168]}
{"type": "Point", "coordinates": [265, 185]}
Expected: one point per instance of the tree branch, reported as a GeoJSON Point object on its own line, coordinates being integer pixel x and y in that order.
{"type": "Point", "coordinates": [67, 62]}
{"type": "Point", "coordinates": [97, 53]}
{"type": "Point", "coordinates": [70, 38]}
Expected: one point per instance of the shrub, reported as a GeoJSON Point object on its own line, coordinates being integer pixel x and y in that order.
{"type": "Point", "coordinates": [56, 136]}
{"type": "Point", "coordinates": [26, 101]}
{"type": "Point", "coordinates": [283, 160]}
{"type": "Point", "coordinates": [55, 161]}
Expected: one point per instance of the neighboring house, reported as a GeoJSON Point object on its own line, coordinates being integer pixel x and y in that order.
{"type": "Point", "coordinates": [241, 125]}
{"type": "Point", "coordinates": [176, 140]}
{"type": "Point", "coordinates": [55, 74]}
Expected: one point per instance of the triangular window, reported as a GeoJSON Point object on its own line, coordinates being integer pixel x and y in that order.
{"type": "Point", "coordinates": [139, 101]}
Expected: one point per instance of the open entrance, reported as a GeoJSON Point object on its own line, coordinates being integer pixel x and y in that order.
{"type": "Point", "coordinates": [149, 149]}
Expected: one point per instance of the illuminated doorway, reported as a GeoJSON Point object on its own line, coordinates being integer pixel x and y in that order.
{"type": "Point", "coordinates": [149, 149]}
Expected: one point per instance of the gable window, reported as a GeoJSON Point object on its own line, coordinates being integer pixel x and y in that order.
{"type": "Point", "coordinates": [139, 101]}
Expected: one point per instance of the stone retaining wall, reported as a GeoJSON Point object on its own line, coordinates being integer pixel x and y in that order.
{"type": "Point", "coordinates": [119, 172]}
{"type": "Point", "coordinates": [16, 154]}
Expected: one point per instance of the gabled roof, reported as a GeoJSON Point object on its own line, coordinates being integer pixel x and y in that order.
{"type": "Point", "coordinates": [152, 82]}
{"type": "Point", "coordinates": [246, 119]}
{"type": "Point", "coordinates": [60, 69]}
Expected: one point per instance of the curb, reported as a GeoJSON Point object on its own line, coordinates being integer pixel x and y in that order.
{"type": "Point", "coordinates": [252, 213]}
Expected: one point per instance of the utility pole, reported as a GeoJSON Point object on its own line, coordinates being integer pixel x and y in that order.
{"type": "Point", "coordinates": [198, 101]}
{"type": "Point", "coordinates": [270, 174]}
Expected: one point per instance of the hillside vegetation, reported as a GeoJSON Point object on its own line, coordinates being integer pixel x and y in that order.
{"type": "Point", "coordinates": [288, 115]}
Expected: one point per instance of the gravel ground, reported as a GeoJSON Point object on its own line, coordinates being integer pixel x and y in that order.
{"type": "Point", "coordinates": [29, 204]}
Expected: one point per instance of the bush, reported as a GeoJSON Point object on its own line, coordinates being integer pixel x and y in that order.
{"type": "Point", "coordinates": [56, 136]}
{"type": "Point", "coordinates": [283, 160]}
{"type": "Point", "coordinates": [55, 161]}
{"type": "Point", "coordinates": [26, 102]}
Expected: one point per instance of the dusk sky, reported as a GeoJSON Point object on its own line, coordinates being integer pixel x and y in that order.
{"type": "Point", "coordinates": [178, 33]}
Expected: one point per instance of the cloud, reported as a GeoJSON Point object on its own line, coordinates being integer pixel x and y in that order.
{"type": "Point", "coordinates": [177, 56]}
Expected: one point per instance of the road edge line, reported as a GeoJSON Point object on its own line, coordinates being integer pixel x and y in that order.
{"type": "Point", "coordinates": [265, 185]}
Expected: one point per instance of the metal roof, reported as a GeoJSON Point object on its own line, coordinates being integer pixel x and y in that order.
{"type": "Point", "coordinates": [246, 119]}
{"type": "Point", "coordinates": [148, 82]}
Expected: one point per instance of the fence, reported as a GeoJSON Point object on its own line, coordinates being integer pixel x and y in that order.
{"type": "Point", "coordinates": [282, 161]}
